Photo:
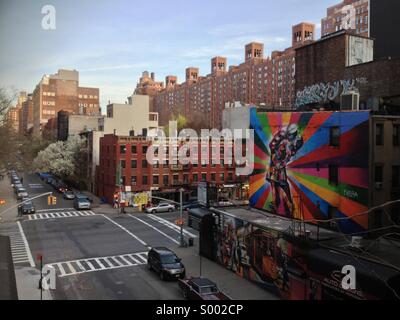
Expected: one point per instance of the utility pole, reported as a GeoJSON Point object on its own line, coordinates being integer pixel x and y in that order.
{"type": "Point", "coordinates": [181, 214]}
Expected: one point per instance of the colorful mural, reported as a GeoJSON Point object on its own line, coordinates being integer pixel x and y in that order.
{"type": "Point", "coordinates": [294, 158]}
{"type": "Point", "coordinates": [262, 256]}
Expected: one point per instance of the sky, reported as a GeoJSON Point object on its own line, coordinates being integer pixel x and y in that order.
{"type": "Point", "coordinates": [111, 43]}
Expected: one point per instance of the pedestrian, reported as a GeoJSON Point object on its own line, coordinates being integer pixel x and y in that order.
{"type": "Point", "coordinates": [22, 180]}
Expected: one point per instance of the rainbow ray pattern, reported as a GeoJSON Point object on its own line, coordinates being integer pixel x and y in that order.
{"type": "Point", "coordinates": [305, 191]}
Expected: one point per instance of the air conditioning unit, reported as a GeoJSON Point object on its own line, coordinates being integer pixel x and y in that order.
{"type": "Point", "coordinates": [378, 185]}
{"type": "Point", "coordinates": [350, 101]}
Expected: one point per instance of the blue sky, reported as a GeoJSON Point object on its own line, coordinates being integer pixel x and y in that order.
{"type": "Point", "coordinates": [111, 42]}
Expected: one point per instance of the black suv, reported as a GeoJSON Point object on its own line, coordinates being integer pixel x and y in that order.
{"type": "Point", "coordinates": [166, 263]}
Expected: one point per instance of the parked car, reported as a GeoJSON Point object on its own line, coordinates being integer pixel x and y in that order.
{"type": "Point", "coordinates": [81, 203]}
{"type": "Point", "coordinates": [26, 208]}
{"type": "Point", "coordinates": [83, 196]}
{"type": "Point", "coordinates": [21, 193]}
{"type": "Point", "coordinates": [162, 207]}
{"type": "Point", "coordinates": [166, 263]}
{"type": "Point", "coordinates": [69, 195]}
{"type": "Point", "coordinates": [190, 205]}
{"type": "Point", "coordinates": [17, 186]}
{"type": "Point", "coordinates": [201, 289]}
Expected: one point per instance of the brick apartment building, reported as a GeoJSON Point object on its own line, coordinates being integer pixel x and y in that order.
{"type": "Point", "coordinates": [348, 14]}
{"type": "Point", "coordinates": [147, 85]}
{"type": "Point", "coordinates": [61, 91]}
{"type": "Point", "coordinates": [342, 63]}
{"type": "Point", "coordinates": [259, 80]}
{"type": "Point", "coordinates": [128, 154]}
{"type": "Point", "coordinates": [27, 115]}
{"type": "Point", "coordinates": [15, 114]}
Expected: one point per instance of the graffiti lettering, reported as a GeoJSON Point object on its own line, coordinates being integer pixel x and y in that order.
{"type": "Point", "coordinates": [324, 92]}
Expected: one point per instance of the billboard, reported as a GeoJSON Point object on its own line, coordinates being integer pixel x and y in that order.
{"type": "Point", "coordinates": [312, 166]}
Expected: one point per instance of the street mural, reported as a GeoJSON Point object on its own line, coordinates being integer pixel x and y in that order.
{"type": "Point", "coordinates": [293, 161]}
{"type": "Point", "coordinates": [262, 256]}
{"type": "Point", "coordinates": [324, 92]}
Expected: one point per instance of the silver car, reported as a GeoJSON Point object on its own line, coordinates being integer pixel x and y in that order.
{"type": "Point", "coordinates": [162, 207]}
{"type": "Point", "coordinates": [22, 193]}
{"type": "Point", "coordinates": [81, 203]}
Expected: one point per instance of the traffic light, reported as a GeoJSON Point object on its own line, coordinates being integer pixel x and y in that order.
{"type": "Point", "coordinates": [51, 200]}
{"type": "Point", "coordinates": [2, 202]}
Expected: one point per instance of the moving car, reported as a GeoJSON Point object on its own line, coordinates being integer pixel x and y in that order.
{"type": "Point", "coordinates": [26, 208]}
{"type": "Point", "coordinates": [162, 207]}
{"type": "Point", "coordinates": [201, 289]}
{"type": "Point", "coordinates": [166, 263]}
{"type": "Point", "coordinates": [81, 203]}
{"type": "Point", "coordinates": [21, 193]}
{"type": "Point", "coordinates": [69, 195]}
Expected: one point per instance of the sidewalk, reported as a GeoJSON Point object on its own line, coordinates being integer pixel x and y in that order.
{"type": "Point", "coordinates": [234, 286]}
{"type": "Point", "coordinates": [7, 193]}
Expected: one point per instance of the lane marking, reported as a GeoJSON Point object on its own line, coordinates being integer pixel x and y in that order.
{"type": "Point", "coordinates": [57, 209]}
{"type": "Point", "coordinates": [170, 225]}
{"type": "Point", "coordinates": [28, 250]}
{"type": "Point", "coordinates": [154, 228]}
{"type": "Point", "coordinates": [127, 231]}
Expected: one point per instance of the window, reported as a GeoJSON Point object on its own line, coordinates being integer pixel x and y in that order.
{"type": "Point", "coordinates": [133, 164]}
{"type": "Point", "coordinates": [333, 174]}
{"type": "Point", "coordinates": [222, 177]}
{"type": "Point", "coordinates": [396, 176]}
{"type": "Point", "coordinates": [144, 149]}
{"type": "Point", "coordinates": [204, 177]}
{"type": "Point", "coordinates": [145, 180]}
{"type": "Point", "coordinates": [379, 134]}
{"type": "Point", "coordinates": [155, 179]}
{"type": "Point", "coordinates": [144, 163]}
{"type": "Point", "coordinates": [123, 180]}
{"type": "Point", "coordinates": [213, 177]}
{"type": "Point", "coordinates": [133, 149]}
{"type": "Point", "coordinates": [396, 135]}
{"type": "Point", "coordinates": [123, 164]}
{"type": "Point", "coordinates": [185, 178]}
{"type": "Point", "coordinates": [133, 180]}
{"type": "Point", "coordinates": [378, 173]}
{"type": "Point", "coordinates": [334, 136]}
{"type": "Point", "coordinates": [122, 149]}
{"type": "Point", "coordinates": [176, 177]}
{"type": "Point", "coordinates": [195, 177]}
{"type": "Point", "coordinates": [230, 176]}
{"type": "Point", "coordinates": [165, 180]}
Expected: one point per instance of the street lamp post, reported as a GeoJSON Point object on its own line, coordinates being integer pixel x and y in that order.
{"type": "Point", "coordinates": [181, 215]}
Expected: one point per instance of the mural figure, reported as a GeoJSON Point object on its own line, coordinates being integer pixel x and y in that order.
{"type": "Point", "coordinates": [284, 145]}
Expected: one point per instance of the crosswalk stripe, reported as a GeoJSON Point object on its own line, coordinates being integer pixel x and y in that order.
{"type": "Point", "coordinates": [64, 214]}
{"type": "Point", "coordinates": [170, 225]}
{"type": "Point", "coordinates": [116, 261]}
{"type": "Point", "coordinates": [68, 268]}
{"type": "Point", "coordinates": [80, 265]}
{"type": "Point", "coordinates": [99, 263]}
{"type": "Point", "coordinates": [60, 267]}
{"type": "Point", "coordinates": [71, 267]}
{"type": "Point", "coordinates": [90, 265]}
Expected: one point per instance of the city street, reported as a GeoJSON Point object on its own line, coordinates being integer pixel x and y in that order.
{"type": "Point", "coordinates": [100, 254]}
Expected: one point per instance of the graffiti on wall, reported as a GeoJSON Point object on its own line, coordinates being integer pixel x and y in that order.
{"type": "Point", "coordinates": [324, 92]}
{"type": "Point", "coordinates": [298, 172]}
{"type": "Point", "coordinates": [258, 255]}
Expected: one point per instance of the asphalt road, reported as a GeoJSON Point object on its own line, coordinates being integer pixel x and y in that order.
{"type": "Point", "coordinates": [100, 254]}
{"type": "Point", "coordinates": [64, 239]}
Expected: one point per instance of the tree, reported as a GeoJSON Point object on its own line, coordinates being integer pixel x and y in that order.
{"type": "Point", "coordinates": [8, 137]}
{"type": "Point", "coordinates": [196, 122]}
{"type": "Point", "coordinates": [62, 158]}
